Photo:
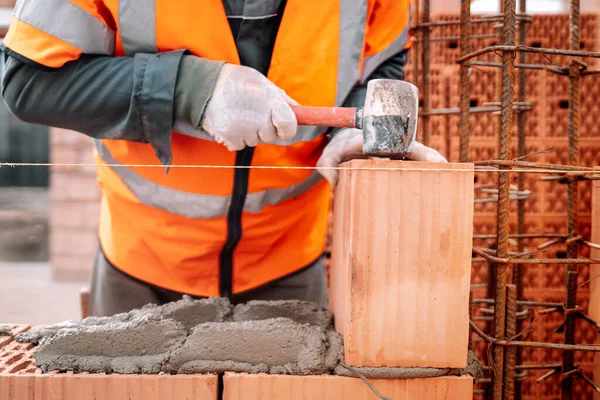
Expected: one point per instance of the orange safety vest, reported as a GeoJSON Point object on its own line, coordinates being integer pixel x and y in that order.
{"type": "Point", "coordinates": [169, 229]}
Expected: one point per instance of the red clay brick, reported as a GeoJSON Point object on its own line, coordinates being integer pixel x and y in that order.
{"type": "Point", "coordinates": [401, 263]}
{"type": "Point", "coordinates": [327, 387]}
{"type": "Point", "coordinates": [107, 387]}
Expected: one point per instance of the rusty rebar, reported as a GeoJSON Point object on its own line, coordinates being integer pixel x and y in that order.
{"type": "Point", "coordinates": [569, 328]}
{"type": "Point", "coordinates": [457, 38]}
{"type": "Point", "coordinates": [530, 164]}
{"type": "Point", "coordinates": [499, 65]}
{"type": "Point", "coordinates": [523, 236]}
{"type": "Point", "coordinates": [522, 303]}
{"type": "Point", "coordinates": [572, 197]}
{"type": "Point", "coordinates": [506, 124]}
{"type": "Point", "coordinates": [544, 261]}
{"type": "Point", "coordinates": [539, 50]}
{"type": "Point", "coordinates": [479, 109]}
{"type": "Point", "coordinates": [426, 66]}
{"type": "Point", "coordinates": [490, 18]}
{"type": "Point", "coordinates": [465, 84]}
{"type": "Point", "coordinates": [520, 270]}
{"type": "Point", "coordinates": [511, 352]}
{"type": "Point", "coordinates": [535, 345]}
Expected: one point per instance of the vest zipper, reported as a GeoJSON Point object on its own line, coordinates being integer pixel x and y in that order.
{"type": "Point", "coordinates": [234, 220]}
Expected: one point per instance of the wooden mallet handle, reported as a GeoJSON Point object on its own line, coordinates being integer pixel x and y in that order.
{"type": "Point", "coordinates": [335, 117]}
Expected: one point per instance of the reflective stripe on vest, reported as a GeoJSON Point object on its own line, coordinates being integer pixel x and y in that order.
{"type": "Point", "coordinates": [137, 22]}
{"type": "Point", "coordinates": [370, 63]}
{"type": "Point", "coordinates": [43, 14]}
{"type": "Point", "coordinates": [194, 205]}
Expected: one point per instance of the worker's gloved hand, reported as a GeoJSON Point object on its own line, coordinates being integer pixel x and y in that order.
{"type": "Point", "coordinates": [347, 144]}
{"type": "Point", "coordinates": [246, 109]}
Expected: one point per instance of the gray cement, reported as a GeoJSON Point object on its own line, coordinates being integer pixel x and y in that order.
{"type": "Point", "coordinates": [5, 331]}
{"type": "Point", "coordinates": [187, 311]}
{"type": "Point", "coordinates": [279, 346]}
{"type": "Point", "coordinates": [198, 336]}
{"type": "Point", "coordinates": [473, 368]}
{"type": "Point", "coordinates": [141, 345]}
{"type": "Point", "coordinates": [303, 312]}
{"type": "Point", "coordinates": [192, 312]}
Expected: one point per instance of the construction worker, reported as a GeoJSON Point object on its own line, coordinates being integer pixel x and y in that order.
{"type": "Point", "coordinates": [205, 83]}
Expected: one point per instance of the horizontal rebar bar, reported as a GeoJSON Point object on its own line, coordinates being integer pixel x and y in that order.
{"type": "Point", "coordinates": [539, 50]}
{"type": "Point", "coordinates": [490, 18]}
{"type": "Point", "coordinates": [537, 345]}
{"type": "Point", "coordinates": [499, 260]}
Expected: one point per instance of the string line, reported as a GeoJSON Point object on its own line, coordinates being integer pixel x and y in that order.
{"type": "Point", "coordinates": [296, 167]}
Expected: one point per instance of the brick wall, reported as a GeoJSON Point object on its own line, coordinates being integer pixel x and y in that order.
{"type": "Point", "coordinates": [75, 206]}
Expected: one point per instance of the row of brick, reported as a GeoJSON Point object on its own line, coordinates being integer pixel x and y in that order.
{"type": "Point", "coordinates": [235, 387]}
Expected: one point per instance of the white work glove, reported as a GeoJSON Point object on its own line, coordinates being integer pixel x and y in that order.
{"type": "Point", "coordinates": [246, 109]}
{"type": "Point", "coordinates": [347, 144]}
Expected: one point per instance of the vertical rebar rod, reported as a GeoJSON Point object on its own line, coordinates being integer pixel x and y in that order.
{"type": "Point", "coordinates": [520, 270]}
{"type": "Point", "coordinates": [506, 124]}
{"type": "Point", "coordinates": [465, 85]}
{"type": "Point", "coordinates": [568, 362]}
{"type": "Point", "coordinates": [572, 197]}
{"type": "Point", "coordinates": [511, 351]}
{"type": "Point", "coordinates": [425, 65]}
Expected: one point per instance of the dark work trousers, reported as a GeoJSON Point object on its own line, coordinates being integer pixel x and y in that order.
{"type": "Point", "coordinates": [113, 291]}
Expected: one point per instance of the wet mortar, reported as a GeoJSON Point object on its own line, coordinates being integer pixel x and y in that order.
{"type": "Point", "coordinates": [209, 336]}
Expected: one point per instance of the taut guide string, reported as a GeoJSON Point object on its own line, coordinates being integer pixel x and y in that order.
{"type": "Point", "coordinates": [339, 168]}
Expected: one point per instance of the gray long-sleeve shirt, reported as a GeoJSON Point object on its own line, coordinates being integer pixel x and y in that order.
{"type": "Point", "coordinates": [137, 98]}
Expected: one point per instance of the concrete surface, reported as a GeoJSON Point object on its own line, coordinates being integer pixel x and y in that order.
{"type": "Point", "coordinates": [29, 296]}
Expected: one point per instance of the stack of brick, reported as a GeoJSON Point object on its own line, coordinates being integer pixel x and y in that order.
{"type": "Point", "coordinates": [75, 206]}
{"type": "Point", "coordinates": [401, 264]}
{"type": "Point", "coordinates": [546, 128]}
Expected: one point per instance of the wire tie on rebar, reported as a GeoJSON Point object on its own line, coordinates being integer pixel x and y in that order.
{"type": "Point", "coordinates": [547, 375]}
{"type": "Point", "coordinates": [573, 239]}
{"type": "Point", "coordinates": [572, 372]}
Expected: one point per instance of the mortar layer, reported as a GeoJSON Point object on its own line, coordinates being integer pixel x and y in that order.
{"type": "Point", "coordinates": [279, 345]}
{"type": "Point", "coordinates": [473, 368]}
{"type": "Point", "coordinates": [5, 331]}
{"type": "Point", "coordinates": [303, 312]}
{"type": "Point", "coordinates": [141, 345]}
{"type": "Point", "coordinates": [188, 311]}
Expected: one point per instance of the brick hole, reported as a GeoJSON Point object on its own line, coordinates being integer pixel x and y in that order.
{"type": "Point", "coordinates": [453, 44]}
{"type": "Point", "coordinates": [564, 104]}
{"type": "Point", "coordinates": [536, 44]}
{"type": "Point", "coordinates": [20, 366]}
{"type": "Point", "coordinates": [16, 357]}
{"type": "Point", "coordinates": [473, 103]}
{"type": "Point", "coordinates": [561, 254]}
